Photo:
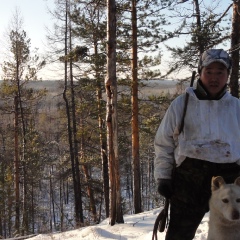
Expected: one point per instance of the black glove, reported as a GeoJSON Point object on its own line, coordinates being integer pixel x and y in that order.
{"type": "Point", "coordinates": [165, 187]}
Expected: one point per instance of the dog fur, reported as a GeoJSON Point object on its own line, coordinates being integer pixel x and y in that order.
{"type": "Point", "coordinates": [224, 204]}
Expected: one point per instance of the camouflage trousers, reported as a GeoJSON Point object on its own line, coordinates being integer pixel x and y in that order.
{"type": "Point", "coordinates": [192, 191]}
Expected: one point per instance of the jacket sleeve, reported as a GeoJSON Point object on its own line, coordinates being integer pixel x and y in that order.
{"type": "Point", "coordinates": [165, 141]}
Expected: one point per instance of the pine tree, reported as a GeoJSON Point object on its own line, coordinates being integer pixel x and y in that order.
{"type": "Point", "coordinates": [19, 68]}
{"type": "Point", "coordinates": [90, 26]}
{"type": "Point", "coordinates": [203, 27]}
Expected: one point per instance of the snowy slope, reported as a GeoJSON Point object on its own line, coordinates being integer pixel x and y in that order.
{"type": "Point", "coordinates": [138, 226]}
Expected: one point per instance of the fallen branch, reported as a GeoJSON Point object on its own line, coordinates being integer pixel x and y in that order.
{"type": "Point", "coordinates": [22, 237]}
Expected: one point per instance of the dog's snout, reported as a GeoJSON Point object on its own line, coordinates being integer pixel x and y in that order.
{"type": "Point", "coordinates": [235, 215]}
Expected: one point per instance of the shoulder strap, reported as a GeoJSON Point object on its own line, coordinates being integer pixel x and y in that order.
{"type": "Point", "coordinates": [186, 103]}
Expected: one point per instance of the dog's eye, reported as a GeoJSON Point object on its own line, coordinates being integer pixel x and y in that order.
{"type": "Point", "coordinates": [238, 200]}
{"type": "Point", "coordinates": [225, 200]}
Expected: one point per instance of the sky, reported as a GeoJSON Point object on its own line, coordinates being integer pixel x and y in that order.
{"type": "Point", "coordinates": [36, 18]}
{"type": "Point", "coordinates": [35, 15]}
{"type": "Point", "coordinates": [138, 227]}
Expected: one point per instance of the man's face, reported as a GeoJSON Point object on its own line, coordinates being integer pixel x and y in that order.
{"type": "Point", "coordinates": [214, 77]}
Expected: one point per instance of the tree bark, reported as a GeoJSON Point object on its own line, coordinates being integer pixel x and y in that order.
{"type": "Point", "coordinates": [135, 129]}
{"type": "Point", "coordinates": [199, 27]}
{"type": "Point", "coordinates": [74, 165]}
{"type": "Point", "coordinates": [102, 134]}
{"type": "Point", "coordinates": [74, 129]}
{"type": "Point", "coordinates": [16, 167]}
{"type": "Point", "coordinates": [52, 200]}
{"type": "Point", "coordinates": [90, 193]}
{"type": "Point", "coordinates": [24, 228]}
{"type": "Point", "coordinates": [111, 116]}
{"type": "Point", "coordinates": [235, 49]}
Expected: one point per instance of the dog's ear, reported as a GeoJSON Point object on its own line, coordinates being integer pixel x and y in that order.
{"type": "Point", "coordinates": [237, 181]}
{"type": "Point", "coordinates": [217, 182]}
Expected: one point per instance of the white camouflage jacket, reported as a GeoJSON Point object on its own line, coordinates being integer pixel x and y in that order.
{"type": "Point", "coordinates": [211, 133]}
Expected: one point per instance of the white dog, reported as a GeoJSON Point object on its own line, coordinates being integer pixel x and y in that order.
{"type": "Point", "coordinates": [224, 220]}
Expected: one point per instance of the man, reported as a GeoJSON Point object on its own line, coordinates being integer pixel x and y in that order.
{"type": "Point", "coordinates": [209, 145]}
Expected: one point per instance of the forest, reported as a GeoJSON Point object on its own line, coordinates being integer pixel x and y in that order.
{"type": "Point", "coordinates": [81, 150]}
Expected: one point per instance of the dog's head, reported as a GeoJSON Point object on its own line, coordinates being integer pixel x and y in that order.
{"type": "Point", "coordinates": [226, 198]}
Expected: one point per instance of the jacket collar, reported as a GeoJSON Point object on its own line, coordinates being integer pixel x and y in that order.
{"type": "Point", "coordinates": [202, 93]}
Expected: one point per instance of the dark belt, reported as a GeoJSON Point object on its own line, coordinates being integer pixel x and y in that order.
{"type": "Point", "coordinates": [192, 167]}
{"type": "Point", "coordinates": [203, 164]}
{"type": "Point", "coordinates": [199, 162]}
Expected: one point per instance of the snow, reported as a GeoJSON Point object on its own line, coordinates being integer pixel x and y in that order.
{"type": "Point", "coordinates": [138, 226]}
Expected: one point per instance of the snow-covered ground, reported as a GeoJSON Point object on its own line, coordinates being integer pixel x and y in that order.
{"type": "Point", "coordinates": [138, 226]}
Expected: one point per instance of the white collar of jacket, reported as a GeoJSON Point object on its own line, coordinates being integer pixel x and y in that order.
{"type": "Point", "coordinates": [203, 94]}
{"type": "Point", "coordinates": [191, 92]}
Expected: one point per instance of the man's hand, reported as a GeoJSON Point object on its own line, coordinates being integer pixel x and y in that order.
{"type": "Point", "coordinates": [165, 187]}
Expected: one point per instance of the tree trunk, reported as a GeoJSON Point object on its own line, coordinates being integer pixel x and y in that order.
{"type": "Point", "coordinates": [235, 49]}
{"type": "Point", "coordinates": [74, 164]}
{"type": "Point", "coordinates": [92, 204]}
{"type": "Point", "coordinates": [50, 201]}
{"type": "Point", "coordinates": [102, 135]}
{"type": "Point", "coordinates": [61, 204]}
{"type": "Point", "coordinates": [112, 130]}
{"type": "Point", "coordinates": [199, 27]}
{"type": "Point", "coordinates": [105, 175]}
{"type": "Point", "coordinates": [24, 227]}
{"type": "Point", "coordinates": [16, 167]}
{"type": "Point", "coordinates": [53, 218]}
{"type": "Point", "coordinates": [135, 130]}
{"type": "Point", "coordinates": [32, 207]}
{"type": "Point", "coordinates": [74, 129]}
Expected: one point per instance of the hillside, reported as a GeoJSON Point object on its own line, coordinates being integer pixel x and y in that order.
{"type": "Point", "coordinates": [148, 87]}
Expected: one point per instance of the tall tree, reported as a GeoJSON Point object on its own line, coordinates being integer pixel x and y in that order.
{"type": "Point", "coordinates": [135, 129]}
{"type": "Point", "coordinates": [143, 21]}
{"type": "Point", "coordinates": [90, 27]}
{"type": "Point", "coordinates": [116, 214]}
{"type": "Point", "coordinates": [18, 68]}
{"type": "Point", "coordinates": [235, 41]}
{"type": "Point", "coordinates": [14, 69]}
{"type": "Point", "coordinates": [71, 117]}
